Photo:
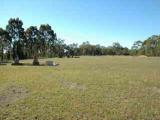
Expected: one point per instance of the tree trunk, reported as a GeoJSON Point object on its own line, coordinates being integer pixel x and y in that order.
{"type": "Point", "coordinates": [2, 54]}
{"type": "Point", "coordinates": [35, 60]}
{"type": "Point", "coordinates": [35, 57]}
{"type": "Point", "coordinates": [16, 58]}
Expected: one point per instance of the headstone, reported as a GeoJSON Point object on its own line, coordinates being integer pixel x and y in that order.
{"type": "Point", "coordinates": [49, 63]}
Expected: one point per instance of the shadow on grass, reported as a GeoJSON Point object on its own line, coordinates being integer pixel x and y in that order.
{"type": "Point", "coordinates": [74, 57]}
{"type": "Point", "coordinates": [4, 62]}
{"type": "Point", "coordinates": [29, 64]}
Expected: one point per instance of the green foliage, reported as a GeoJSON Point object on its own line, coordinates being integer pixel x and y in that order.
{"type": "Point", "coordinates": [43, 42]}
{"type": "Point", "coordinates": [16, 33]}
{"type": "Point", "coordinates": [48, 39]}
{"type": "Point", "coordinates": [59, 48]}
{"type": "Point", "coordinates": [150, 47]}
{"type": "Point", "coordinates": [116, 49]}
{"type": "Point", "coordinates": [32, 40]}
{"type": "Point", "coordinates": [27, 44]}
{"type": "Point", "coordinates": [72, 50]}
{"type": "Point", "coordinates": [5, 43]}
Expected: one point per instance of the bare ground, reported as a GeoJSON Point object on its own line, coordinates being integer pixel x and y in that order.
{"type": "Point", "coordinates": [12, 94]}
{"type": "Point", "coordinates": [72, 85]}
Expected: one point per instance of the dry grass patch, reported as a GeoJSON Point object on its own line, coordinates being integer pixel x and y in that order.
{"type": "Point", "coordinates": [12, 94]}
{"type": "Point", "coordinates": [93, 88]}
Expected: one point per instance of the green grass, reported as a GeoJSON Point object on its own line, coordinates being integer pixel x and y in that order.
{"type": "Point", "coordinates": [88, 88]}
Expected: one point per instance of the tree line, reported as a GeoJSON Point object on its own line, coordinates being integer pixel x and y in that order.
{"type": "Point", "coordinates": [18, 43]}
{"type": "Point", "coordinates": [34, 42]}
{"type": "Point", "coordinates": [149, 47]}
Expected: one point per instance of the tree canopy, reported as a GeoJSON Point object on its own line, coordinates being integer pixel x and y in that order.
{"type": "Point", "coordinates": [36, 42]}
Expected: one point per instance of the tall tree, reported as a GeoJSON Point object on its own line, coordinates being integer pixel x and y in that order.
{"type": "Point", "coordinates": [151, 46]}
{"type": "Point", "coordinates": [16, 32]}
{"type": "Point", "coordinates": [72, 50]}
{"type": "Point", "coordinates": [117, 48]}
{"type": "Point", "coordinates": [33, 42]}
{"type": "Point", "coordinates": [60, 47]}
{"type": "Point", "coordinates": [5, 42]}
{"type": "Point", "coordinates": [136, 47]}
{"type": "Point", "coordinates": [85, 48]}
{"type": "Point", "coordinates": [47, 37]}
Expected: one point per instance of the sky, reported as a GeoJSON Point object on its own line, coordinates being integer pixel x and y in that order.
{"type": "Point", "coordinates": [97, 21]}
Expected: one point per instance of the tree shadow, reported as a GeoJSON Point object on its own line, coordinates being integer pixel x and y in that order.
{"type": "Point", "coordinates": [3, 64]}
{"type": "Point", "coordinates": [30, 64]}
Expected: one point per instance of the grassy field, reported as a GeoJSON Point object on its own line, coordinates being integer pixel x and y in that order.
{"type": "Point", "coordinates": [87, 88]}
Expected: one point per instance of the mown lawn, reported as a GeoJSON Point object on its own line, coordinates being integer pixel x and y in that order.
{"type": "Point", "coordinates": [86, 88]}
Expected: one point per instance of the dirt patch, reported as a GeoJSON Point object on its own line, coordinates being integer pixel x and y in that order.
{"type": "Point", "coordinates": [156, 90]}
{"type": "Point", "coordinates": [72, 85]}
{"type": "Point", "coordinates": [142, 56]}
{"type": "Point", "coordinates": [11, 94]}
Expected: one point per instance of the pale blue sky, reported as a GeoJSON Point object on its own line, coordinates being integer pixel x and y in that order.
{"type": "Point", "coordinates": [98, 21]}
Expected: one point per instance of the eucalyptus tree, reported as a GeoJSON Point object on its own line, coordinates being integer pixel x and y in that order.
{"type": "Point", "coordinates": [72, 50]}
{"type": "Point", "coordinates": [151, 46]}
{"type": "Point", "coordinates": [5, 42]}
{"type": "Point", "coordinates": [47, 37]}
{"type": "Point", "coordinates": [84, 48]}
{"type": "Point", "coordinates": [136, 47]}
{"type": "Point", "coordinates": [60, 47]}
{"type": "Point", "coordinates": [16, 33]}
{"type": "Point", "coordinates": [117, 48]}
{"type": "Point", "coordinates": [33, 43]}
